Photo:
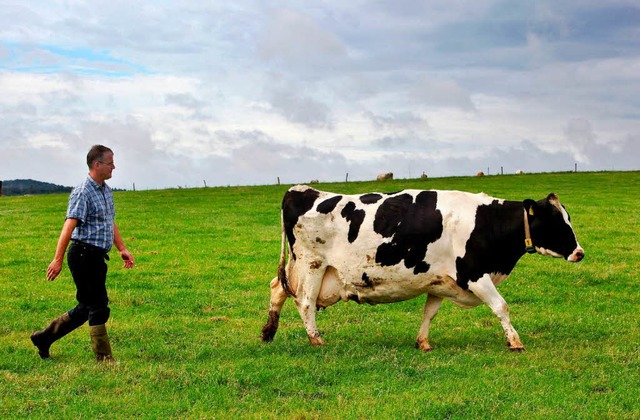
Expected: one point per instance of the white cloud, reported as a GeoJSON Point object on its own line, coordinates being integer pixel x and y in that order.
{"type": "Point", "coordinates": [296, 38]}
{"type": "Point", "coordinates": [432, 91]}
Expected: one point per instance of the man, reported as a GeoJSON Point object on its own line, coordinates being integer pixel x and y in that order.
{"type": "Point", "coordinates": [91, 229]}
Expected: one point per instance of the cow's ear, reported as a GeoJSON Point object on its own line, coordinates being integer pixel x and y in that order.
{"type": "Point", "coordinates": [553, 199]}
{"type": "Point", "coordinates": [529, 206]}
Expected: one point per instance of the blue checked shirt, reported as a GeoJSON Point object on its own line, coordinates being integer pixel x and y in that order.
{"type": "Point", "coordinates": [92, 206]}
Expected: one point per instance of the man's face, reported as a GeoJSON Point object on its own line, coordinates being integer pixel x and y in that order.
{"type": "Point", "coordinates": [105, 166]}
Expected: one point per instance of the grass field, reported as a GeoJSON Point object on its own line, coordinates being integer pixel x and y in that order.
{"type": "Point", "coordinates": [186, 321]}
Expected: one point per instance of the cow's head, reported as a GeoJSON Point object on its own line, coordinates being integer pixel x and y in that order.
{"type": "Point", "coordinates": [551, 230]}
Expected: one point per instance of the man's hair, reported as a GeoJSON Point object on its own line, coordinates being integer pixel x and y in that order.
{"type": "Point", "coordinates": [96, 153]}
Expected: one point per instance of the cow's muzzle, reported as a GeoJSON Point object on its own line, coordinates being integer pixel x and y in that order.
{"type": "Point", "coordinates": [577, 255]}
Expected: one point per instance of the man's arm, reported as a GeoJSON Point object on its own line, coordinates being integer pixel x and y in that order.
{"type": "Point", "coordinates": [63, 241]}
{"type": "Point", "coordinates": [119, 243]}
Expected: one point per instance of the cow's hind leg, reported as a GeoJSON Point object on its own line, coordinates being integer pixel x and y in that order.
{"type": "Point", "coordinates": [487, 292]}
{"type": "Point", "coordinates": [278, 297]}
{"type": "Point", "coordinates": [431, 308]}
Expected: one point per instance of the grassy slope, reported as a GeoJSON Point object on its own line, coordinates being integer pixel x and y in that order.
{"type": "Point", "coordinates": [186, 321]}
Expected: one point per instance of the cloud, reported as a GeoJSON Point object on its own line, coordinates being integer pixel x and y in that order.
{"type": "Point", "coordinates": [430, 91]}
{"type": "Point", "coordinates": [581, 138]}
{"type": "Point", "coordinates": [295, 38]}
{"type": "Point", "coordinates": [295, 103]}
{"type": "Point", "coordinates": [246, 92]}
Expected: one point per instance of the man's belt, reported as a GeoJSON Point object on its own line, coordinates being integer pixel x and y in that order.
{"type": "Point", "coordinates": [91, 248]}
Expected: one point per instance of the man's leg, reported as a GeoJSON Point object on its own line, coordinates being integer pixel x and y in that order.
{"type": "Point", "coordinates": [57, 329]}
{"type": "Point", "coordinates": [90, 276]}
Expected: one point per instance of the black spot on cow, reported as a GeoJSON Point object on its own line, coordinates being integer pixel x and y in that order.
{"type": "Point", "coordinates": [496, 242]}
{"type": "Point", "coordinates": [329, 204]}
{"type": "Point", "coordinates": [390, 213]}
{"type": "Point", "coordinates": [355, 217]}
{"type": "Point", "coordinates": [294, 205]}
{"type": "Point", "coordinates": [365, 279]}
{"type": "Point", "coordinates": [314, 265]}
{"type": "Point", "coordinates": [368, 281]}
{"type": "Point", "coordinates": [371, 198]}
{"type": "Point", "coordinates": [412, 227]}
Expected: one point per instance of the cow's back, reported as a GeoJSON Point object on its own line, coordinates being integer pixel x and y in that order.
{"type": "Point", "coordinates": [405, 219]}
{"type": "Point", "coordinates": [387, 247]}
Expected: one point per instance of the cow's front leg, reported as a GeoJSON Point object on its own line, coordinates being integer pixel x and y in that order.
{"type": "Point", "coordinates": [431, 308]}
{"type": "Point", "coordinates": [486, 291]}
{"type": "Point", "coordinates": [306, 301]}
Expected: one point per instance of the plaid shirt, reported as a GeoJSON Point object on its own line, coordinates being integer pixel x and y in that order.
{"type": "Point", "coordinates": [92, 206]}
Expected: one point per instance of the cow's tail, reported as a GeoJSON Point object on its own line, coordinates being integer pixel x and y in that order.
{"type": "Point", "coordinates": [282, 272]}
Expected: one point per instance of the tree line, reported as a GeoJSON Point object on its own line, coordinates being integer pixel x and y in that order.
{"type": "Point", "coordinates": [30, 187]}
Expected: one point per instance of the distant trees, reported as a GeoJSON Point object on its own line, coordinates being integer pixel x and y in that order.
{"type": "Point", "coordinates": [31, 187]}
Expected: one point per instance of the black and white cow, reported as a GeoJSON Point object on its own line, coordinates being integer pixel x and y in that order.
{"type": "Point", "coordinates": [380, 248]}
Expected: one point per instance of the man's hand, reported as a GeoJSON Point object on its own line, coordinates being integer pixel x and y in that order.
{"type": "Point", "coordinates": [54, 269]}
{"type": "Point", "coordinates": [127, 258]}
{"type": "Point", "coordinates": [63, 241]}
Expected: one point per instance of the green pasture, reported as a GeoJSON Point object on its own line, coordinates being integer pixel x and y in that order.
{"type": "Point", "coordinates": [185, 324]}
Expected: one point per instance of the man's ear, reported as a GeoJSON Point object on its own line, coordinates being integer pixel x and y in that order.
{"type": "Point", "coordinates": [530, 207]}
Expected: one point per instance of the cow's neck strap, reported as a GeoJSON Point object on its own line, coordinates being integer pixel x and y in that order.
{"type": "Point", "coordinates": [527, 235]}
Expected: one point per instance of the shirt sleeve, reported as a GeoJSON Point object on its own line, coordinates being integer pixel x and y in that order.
{"type": "Point", "coordinates": [77, 208]}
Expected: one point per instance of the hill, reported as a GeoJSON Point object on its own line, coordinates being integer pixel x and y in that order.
{"type": "Point", "coordinates": [31, 187]}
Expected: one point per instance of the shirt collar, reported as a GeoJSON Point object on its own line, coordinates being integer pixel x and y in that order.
{"type": "Point", "coordinates": [95, 184]}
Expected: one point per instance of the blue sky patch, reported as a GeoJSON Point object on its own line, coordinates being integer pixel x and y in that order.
{"type": "Point", "coordinates": [48, 59]}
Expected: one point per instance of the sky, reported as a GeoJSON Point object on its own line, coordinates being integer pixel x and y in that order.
{"type": "Point", "coordinates": [250, 92]}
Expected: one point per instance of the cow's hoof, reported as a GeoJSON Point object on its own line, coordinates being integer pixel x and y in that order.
{"type": "Point", "coordinates": [316, 341]}
{"type": "Point", "coordinates": [268, 332]}
{"type": "Point", "coordinates": [423, 346]}
{"type": "Point", "coordinates": [517, 349]}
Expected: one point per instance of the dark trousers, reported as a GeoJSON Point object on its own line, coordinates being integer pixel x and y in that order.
{"type": "Point", "coordinates": [89, 270]}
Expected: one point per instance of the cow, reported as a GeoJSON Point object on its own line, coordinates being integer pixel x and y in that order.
{"type": "Point", "coordinates": [385, 176]}
{"type": "Point", "coordinates": [382, 248]}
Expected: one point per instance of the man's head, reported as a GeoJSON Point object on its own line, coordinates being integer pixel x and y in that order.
{"type": "Point", "coordinates": [100, 163]}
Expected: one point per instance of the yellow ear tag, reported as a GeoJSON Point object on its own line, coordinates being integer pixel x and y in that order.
{"type": "Point", "coordinates": [530, 211]}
